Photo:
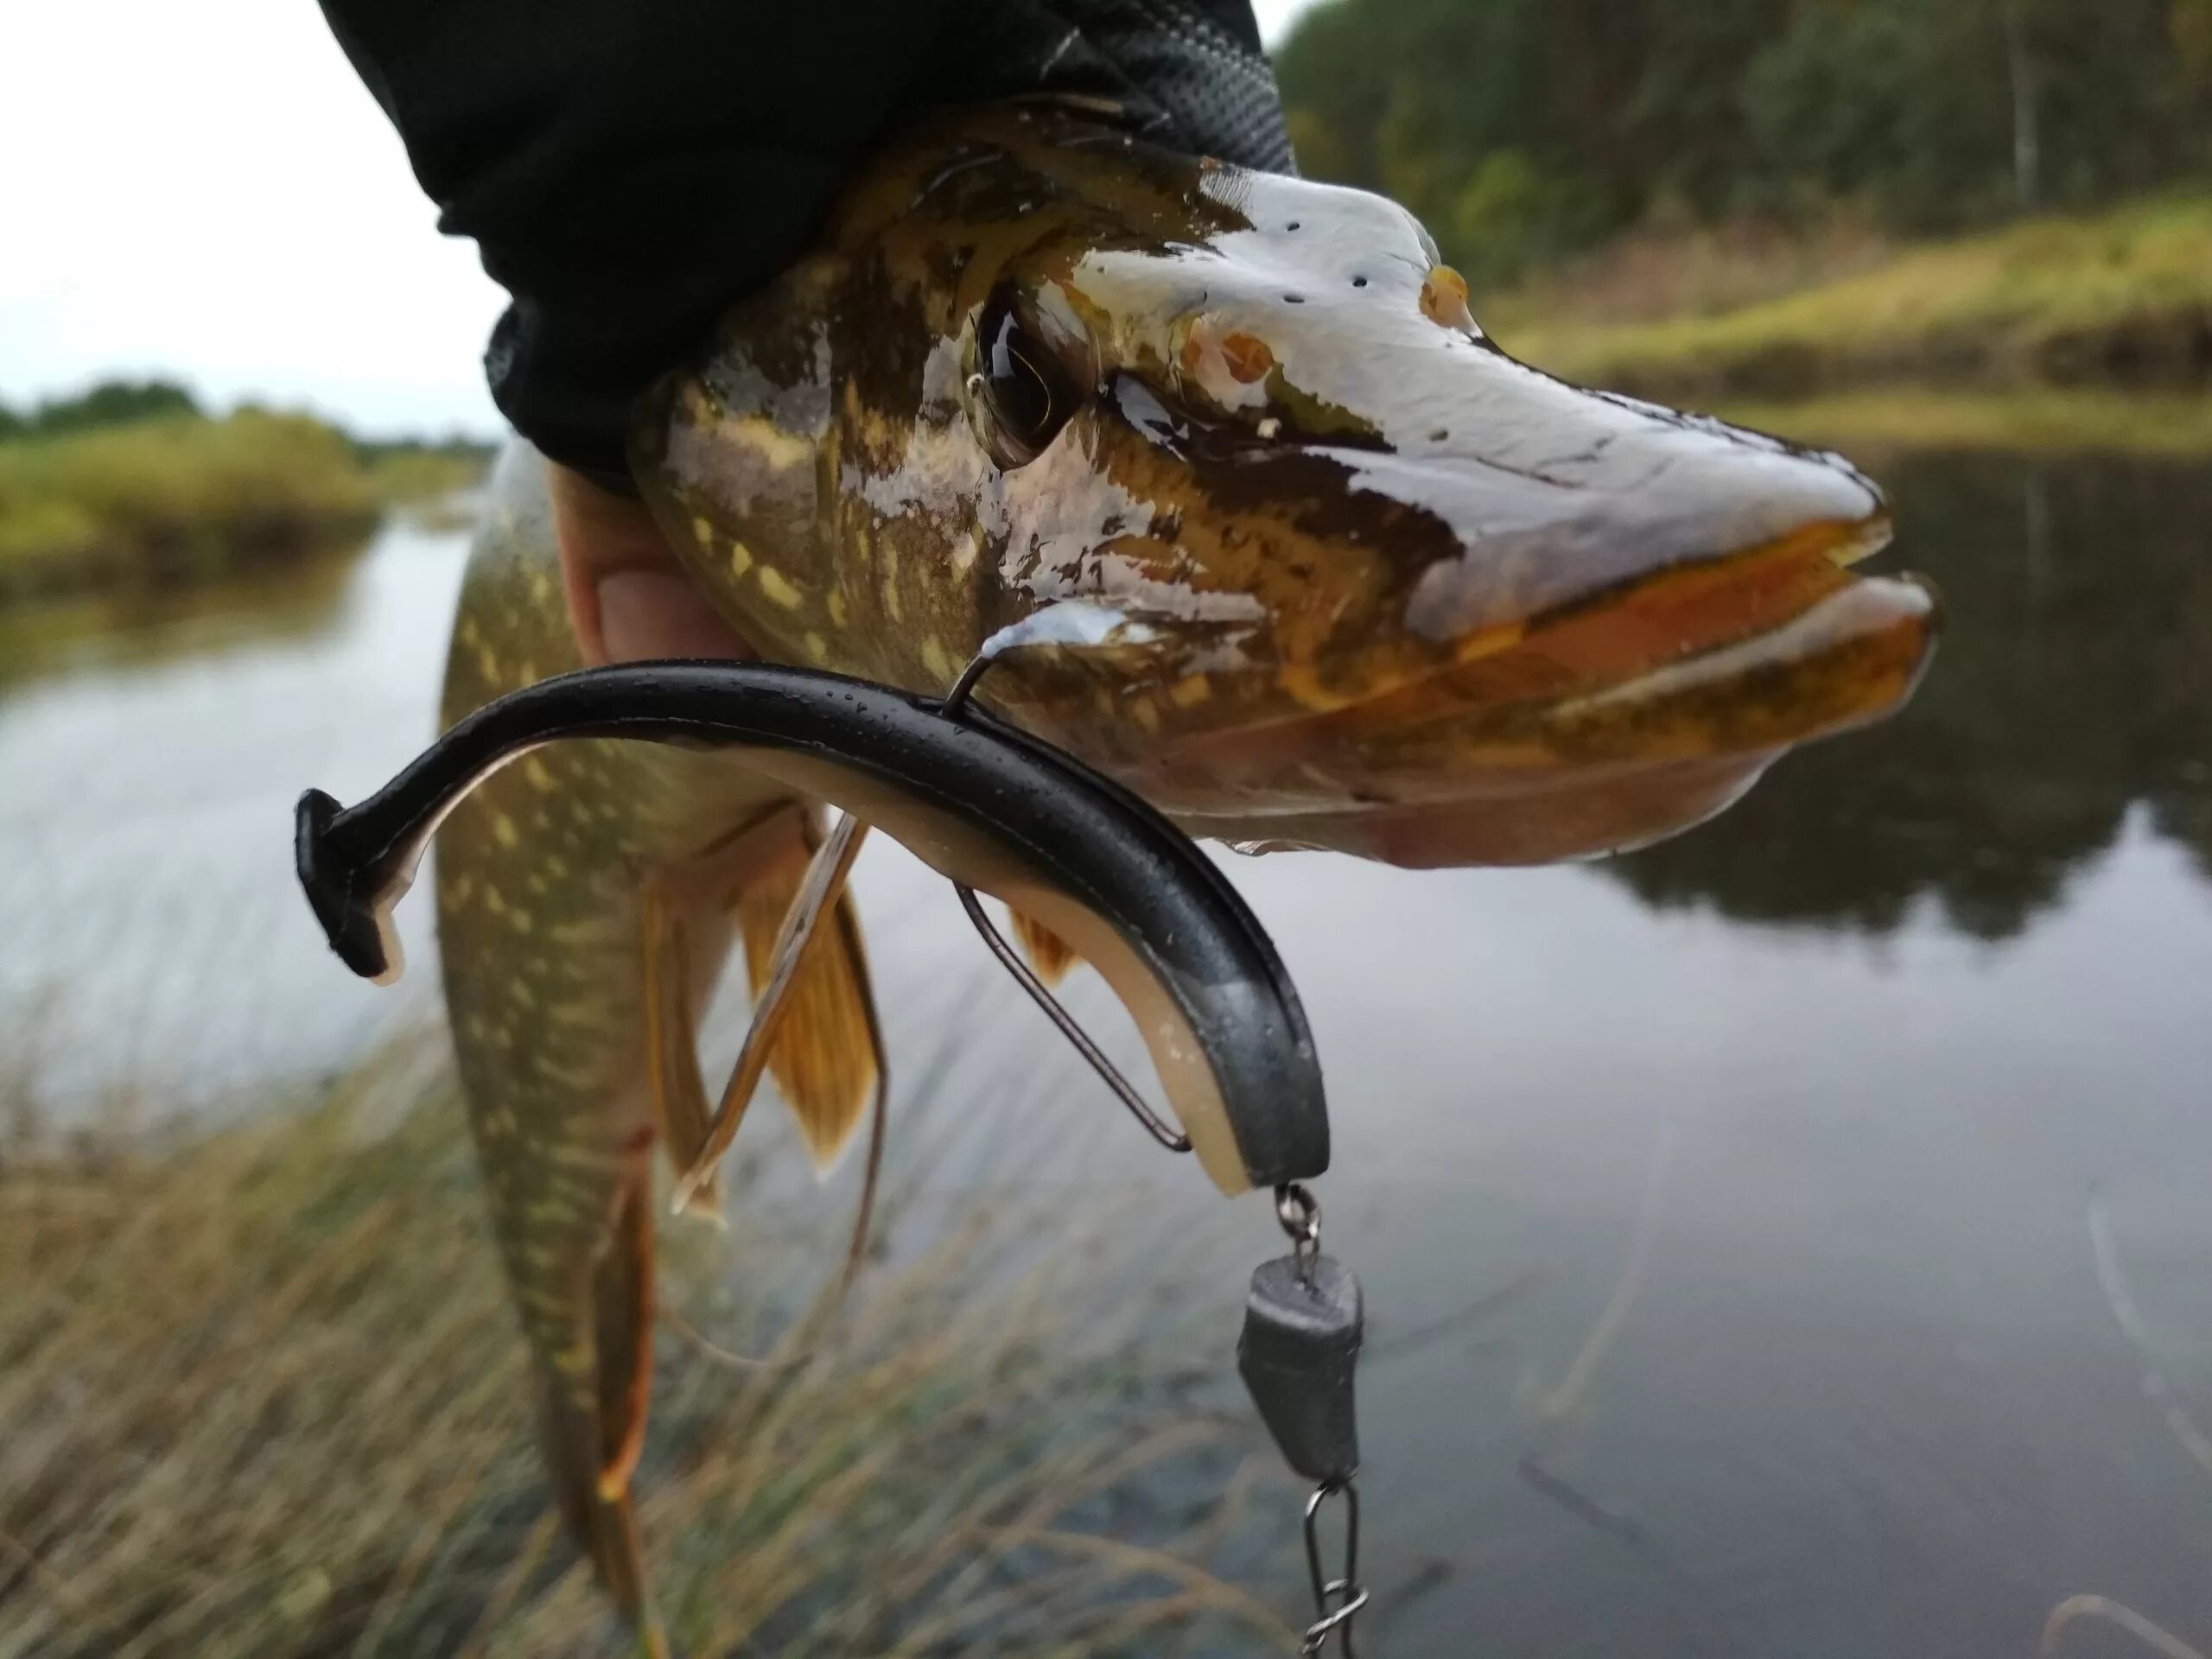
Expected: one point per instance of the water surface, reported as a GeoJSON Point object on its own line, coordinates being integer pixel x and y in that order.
{"type": "Point", "coordinates": [1794, 1171]}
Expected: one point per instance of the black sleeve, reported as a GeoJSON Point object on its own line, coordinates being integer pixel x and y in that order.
{"type": "Point", "coordinates": [629, 167]}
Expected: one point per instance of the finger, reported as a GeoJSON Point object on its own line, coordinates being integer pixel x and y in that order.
{"type": "Point", "coordinates": [628, 599]}
{"type": "Point", "coordinates": [647, 615]}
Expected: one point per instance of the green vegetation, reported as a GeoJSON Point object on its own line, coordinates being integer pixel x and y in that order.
{"type": "Point", "coordinates": [173, 500]}
{"type": "Point", "coordinates": [267, 1398]}
{"type": "Point", "coordinates": [2124, 296]}
{"type": "Point", "coordinates": [2039, 423]}
{"type": "Point", "coordinates": [1772, 198]}
{"type": "Point", "coordinates": [109, 403]}
{"type": "Point", "coordinates": [404, 472]}
{"type": "Point", "coordinates": [1524, 130]}
{"type": "Point", "coordinates": [131, 485]}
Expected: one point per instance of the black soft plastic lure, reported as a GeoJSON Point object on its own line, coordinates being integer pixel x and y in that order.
{"type": "Point", "coordinates": [986, 805]}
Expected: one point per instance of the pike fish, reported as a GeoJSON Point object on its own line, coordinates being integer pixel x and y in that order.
{"type": "Point", "coordinates": [1357, 580]}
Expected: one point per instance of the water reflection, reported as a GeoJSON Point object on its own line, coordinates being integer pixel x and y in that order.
{"type": "Point", "coordinates": [150, 749]}
{"type": "Point", "coordinates": [2074, 682]}
{"type": "Point", "coordinates": [147, 627]}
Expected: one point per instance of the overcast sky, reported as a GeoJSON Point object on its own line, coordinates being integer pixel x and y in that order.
{"type": "Point", "coordinates": [207, 191]}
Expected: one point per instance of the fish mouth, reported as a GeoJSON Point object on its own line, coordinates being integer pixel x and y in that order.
{"type": "Point", "coordinates": [1619, 718]}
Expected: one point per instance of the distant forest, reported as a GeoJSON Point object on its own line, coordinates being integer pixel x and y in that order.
{"type": "Point", "coordinates": [125, 402]}
{"type": "Point", "coordinates": [110, 403]}
{"type": "Point", "coordinates": [1524, 130]}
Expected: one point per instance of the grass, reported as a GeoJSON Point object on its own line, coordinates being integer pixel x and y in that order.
{"type": "Point", "coordinates": [2122, 297]}
{"type": "Point", "coordinates": [1665, 269]}
{"type": "Point", "coordinates": [265, 1397]}
{"type": "Point", "coordinates": [2047, 422]}
{"type": "Point", "coordinates": [179, 499]}
{"type": "Point", "coordinates": [405, 476]}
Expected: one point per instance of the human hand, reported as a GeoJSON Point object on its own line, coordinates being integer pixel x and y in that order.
{"type": "Point", "coordinates": [629, 600]}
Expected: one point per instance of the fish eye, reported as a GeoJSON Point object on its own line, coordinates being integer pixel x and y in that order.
{"type": "Point", "coordinates": [1022, 394]}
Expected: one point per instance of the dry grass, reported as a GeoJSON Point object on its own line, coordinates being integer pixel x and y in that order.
{"type": "Point", "coordinates": [2044, 422]}
{"type": "Point", "coordinates": [262, 1395]}
{"type": "Point", "coordinates": [1661, 271]}
{"type": "Point", "coordinates": [2122, 296]}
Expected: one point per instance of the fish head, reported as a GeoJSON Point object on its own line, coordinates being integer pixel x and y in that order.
{"type": "Point", "coordinates": [1353, 577]}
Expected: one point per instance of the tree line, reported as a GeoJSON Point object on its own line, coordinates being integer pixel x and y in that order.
{"type": "Point", "coordinates": [109, 403]}
{"type": "Point", "coordinates": [124, 402]}
{"type": "Point", "coordinates": [1523, 130]}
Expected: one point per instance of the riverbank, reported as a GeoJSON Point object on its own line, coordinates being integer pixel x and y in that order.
{"type": "Point", "coordinates": [183, 498]}
{"type": "Point", "coordinates": [2117, 299]}
{"type": "Point", "coordinates": [275, 1405]}
{"type": "Point", "coordinates": [2041, 423]}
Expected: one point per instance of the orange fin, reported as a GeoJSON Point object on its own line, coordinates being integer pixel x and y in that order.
{"type": "Point", "coordinates": [1049, 954]}
{"type": "Point", "coordinates": [592, 1405]}
{"type": "Point", "coordinates": [824, 1052]}
{"type": "Point", "coordinates": [622, 1310]}
{"type": "Point", "coordinates": [679, 1095]}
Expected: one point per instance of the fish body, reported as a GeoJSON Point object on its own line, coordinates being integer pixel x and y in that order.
{"type": "Point", "coordinates": [588, 895]}
{"type": "Point", "coordinates": [1362, 582]}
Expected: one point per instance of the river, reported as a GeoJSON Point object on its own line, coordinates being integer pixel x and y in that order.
{"type": "Point", "coordinates": [1792, 1240]}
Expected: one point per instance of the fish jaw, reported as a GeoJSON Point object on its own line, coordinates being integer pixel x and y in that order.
{"type": "Point", "coordinates": [1513, 821]}
{"type": "Point", "coordinates": [1368, 560]}
{"type": "Point", "coordinates": [1605, 772]}
{"type": "Point", "coordinates": [1584, 663]}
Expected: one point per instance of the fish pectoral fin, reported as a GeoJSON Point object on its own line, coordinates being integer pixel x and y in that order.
{"type": "Point", "coordinates": [1048, 953]}
{"type": "Point", "coordinates": [824, 1050]}
{"type": "Point", "coordinates": [678, 1091]}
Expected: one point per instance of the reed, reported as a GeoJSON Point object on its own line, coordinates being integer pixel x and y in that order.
{"type": "Point", "coordinates": [262, 1395]}
{"type": "Point", "coordinates": [2120, 297]}
{"type": "Point", "coordinates": [180, 498]}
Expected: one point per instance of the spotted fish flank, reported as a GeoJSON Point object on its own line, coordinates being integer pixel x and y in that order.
{"type": "Point", "coordinates": [573, 1011]}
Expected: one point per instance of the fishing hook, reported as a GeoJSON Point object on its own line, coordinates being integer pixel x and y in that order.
{"type": "Point", "coordinates": [954, 704]}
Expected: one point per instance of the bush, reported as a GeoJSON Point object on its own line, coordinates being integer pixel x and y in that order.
{"type": "Point", "coordinates": [159, 498]}
{"type": "Point", "coordinates": [1510, 216]}
{"type": "Point", "coordinates": [170, 498]}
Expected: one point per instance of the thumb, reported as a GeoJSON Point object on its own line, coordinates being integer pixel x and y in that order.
{"type": "Point", "coordinates": [629, 600]}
